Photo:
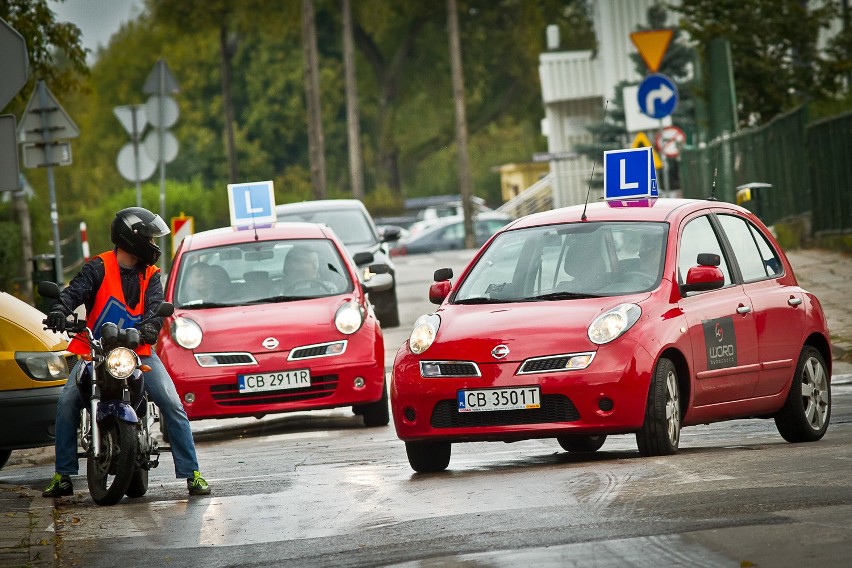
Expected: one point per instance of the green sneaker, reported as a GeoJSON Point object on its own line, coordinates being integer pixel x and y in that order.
{"type": "Point", "coordinates": [60, 485]}
{"type": "Point", "coordinates": [196, 485]}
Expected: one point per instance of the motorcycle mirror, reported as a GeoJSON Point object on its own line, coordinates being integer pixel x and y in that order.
{"type": "Point", "coordinates": [165, 309]}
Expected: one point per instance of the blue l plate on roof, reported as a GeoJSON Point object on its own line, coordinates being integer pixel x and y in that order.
{"type": "Point", "coordinates": [251, 204]}
{"type": "Point", "coordinates": [629, 174]}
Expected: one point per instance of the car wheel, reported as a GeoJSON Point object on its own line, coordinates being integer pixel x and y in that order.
{"type": "Point", "coordinates": [660, 433]}
{"type": "Point", "coordinates": [4, 457]}
{"type": "Point", "coordinates": [805, 415]}
{"type": "Point", "coordinates": [428, 457]}
{"type": "Point", "coordinates": [581, 443]}
{"type": "Point", "coordinates": [387, 308]}
{"type": "Point", "coordinates": [376, 413]}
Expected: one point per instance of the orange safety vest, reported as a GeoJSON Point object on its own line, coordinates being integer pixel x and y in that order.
{"type": "Point", "coordinates": [110, 305]}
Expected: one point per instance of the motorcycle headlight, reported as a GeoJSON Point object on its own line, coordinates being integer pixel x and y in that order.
{"type": "Point", "coordinates": [186, 333]}
{"type": "Point", "coordinates": [348, 318]}
{"type": "Point", "coordinates": [424, 332]}
{"type": "Point", "coordinates": [121, 362]}
{"type": "Point", "coordinates": [42, 365]}
{"type": "Point", "coordinates": [613, 323]}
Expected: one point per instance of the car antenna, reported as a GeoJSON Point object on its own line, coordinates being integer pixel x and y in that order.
{"type": "Point", "coordinates": [594, 162]}
{"type": "Point", "coordinates": [715, 172]}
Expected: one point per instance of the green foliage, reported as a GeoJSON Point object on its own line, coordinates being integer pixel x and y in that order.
{"type": "Point", "coordinates": [10, 255]}
{"type": "Point", "coordinates": [776, 62]}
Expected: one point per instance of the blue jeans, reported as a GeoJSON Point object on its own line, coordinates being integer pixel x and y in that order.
{"type": "Point", "coordinates": [160, 389]}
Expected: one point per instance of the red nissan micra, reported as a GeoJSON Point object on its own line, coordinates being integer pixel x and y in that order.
{"type": "Point", "coordinates": [273, 320]}
{"type": "Point", "coordinates": [628, 317]}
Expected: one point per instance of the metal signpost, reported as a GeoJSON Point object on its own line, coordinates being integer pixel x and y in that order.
{"type": "Point", "coordinates": [43, 127]}
{"type": "Point", "coordinates": [162, 111]}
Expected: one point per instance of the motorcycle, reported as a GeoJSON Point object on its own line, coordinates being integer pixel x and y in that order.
{"type": "Point", "coordinates": [115, 424]}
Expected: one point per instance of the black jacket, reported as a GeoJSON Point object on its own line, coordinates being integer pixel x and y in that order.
{"type": "Point", "coordinates": [84, 287]}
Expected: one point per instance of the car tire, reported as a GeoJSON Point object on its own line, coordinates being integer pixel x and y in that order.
{"type": "Point", "coordinates": [660, 433]}
{"type": "Point", "coordinates": [387, 308]}
{"type": "Point", "coordinates": [807, 410]}
{"type": "Point", "coordinates": [375, 413]}
{"type": "Point", "coordinates": [428, 457]}
{"type": "Point", "coordinates": [4, 457]}
{"type": "Point", "coordinates": [581, 443]}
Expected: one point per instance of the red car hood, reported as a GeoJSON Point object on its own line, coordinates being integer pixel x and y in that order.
{"type": "Point", "coordinates": [243, 328]}
{"type": "Point", "coordinates": [530, 329]}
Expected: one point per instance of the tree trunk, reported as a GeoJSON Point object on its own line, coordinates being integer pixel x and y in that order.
{"type": "Point", "coordinates": [316, 142]}
{"type": "Point", "coordinates": [228, 103]}
{"type": "Point", "coordinates": [356, 173]}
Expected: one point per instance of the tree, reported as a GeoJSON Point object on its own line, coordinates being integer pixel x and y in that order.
{"type": "Point", "coordinates": [775, 68]}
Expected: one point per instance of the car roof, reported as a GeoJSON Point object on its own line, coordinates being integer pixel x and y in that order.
{"type": "Point", "coordinates": [320, 205]}
{"type": "Point", "coordinates": [278, 231]}
{"type": "Point", "coordinates": [659, 210]}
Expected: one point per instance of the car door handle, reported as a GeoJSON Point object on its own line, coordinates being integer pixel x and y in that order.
{"type": "Point", "coordinates": [794, 301]}
{"type": "Point", "coordinates": [743, 309]}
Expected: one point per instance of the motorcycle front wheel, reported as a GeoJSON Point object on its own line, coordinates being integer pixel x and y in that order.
{"type": "Point", "coordinates": [110, 474]}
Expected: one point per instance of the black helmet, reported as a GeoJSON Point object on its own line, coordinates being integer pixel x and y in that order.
{"type": "Point", "coordinates": [134, 229]}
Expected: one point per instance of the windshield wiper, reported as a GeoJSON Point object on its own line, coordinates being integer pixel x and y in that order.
{"type": "Point", "coordinates": [199, 305]}
{"type": "Point", "coordinates": [483, 300]}
{"type": "Point", "coordinates": [276, 299]}
{"type": "Point", "coordinates": [561, 296]}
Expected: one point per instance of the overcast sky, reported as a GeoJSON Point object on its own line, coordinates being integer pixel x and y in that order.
{"type": "Point", "coordinates": [97, 19]}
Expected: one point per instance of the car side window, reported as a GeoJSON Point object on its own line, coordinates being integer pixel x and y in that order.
{"type": "Point", "coordinates": [698, 237]}
{"type": "Point", "coordinates": [756, 262]}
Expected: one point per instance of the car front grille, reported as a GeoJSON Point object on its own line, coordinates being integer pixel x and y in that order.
{"type": "Point", "coordinates": [554, 408]}
{"type": "Point", "coordinates": [224, 359]}
{"type": "Point", "coordinates": [549, 363]}
{"type": "Point", "coordinates": [437, 369]}
{"type": "Point", "coordinates": [229, 394]}
{"type": "Point", "coordinates": [321, 350]}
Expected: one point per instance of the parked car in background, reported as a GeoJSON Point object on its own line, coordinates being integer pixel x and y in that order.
{"type": "Point", "coordinates": [448, 234]}
{"type": "Point", "coordinates": [273, 320]}
{"type": "Point", "coordinates": [352, 223]}
{"type": "Point", "coordinates": [34, 365]}
{"type": "Point", "coordinates": [435, 213]}
{"type": "Point", "coordinates": [580, 323]}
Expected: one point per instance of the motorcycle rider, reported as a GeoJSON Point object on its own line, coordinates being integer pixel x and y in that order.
{"type": "Point", "coordinates": [122, 285]}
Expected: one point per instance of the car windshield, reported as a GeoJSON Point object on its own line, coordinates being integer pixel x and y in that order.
{"type": "Point", "coordinates": [260, 272]}
{"type": "Point", "coordinates": [350, 225]}
{"type": "Point", "coordinates": [563, 262]}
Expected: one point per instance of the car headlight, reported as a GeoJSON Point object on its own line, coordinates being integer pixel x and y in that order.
{"type": "Point", "coordinates": [42, 365]}
{"type": "Point", "coordinates": [186, 333]}
{"type": "Point", "coordinates": [121, 362]}
{"type": "Point", "coordinates": [424, 332]}
{"type": "Point", "coordinates": [348, 318]}
{"type": "Point", "coordinates": [611, 324]}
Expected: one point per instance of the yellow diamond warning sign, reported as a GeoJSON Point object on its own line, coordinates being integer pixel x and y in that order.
{"type": "Point", "coordinates": [642, 141]}
{"type": "Point", "coordinates": [652, 46]}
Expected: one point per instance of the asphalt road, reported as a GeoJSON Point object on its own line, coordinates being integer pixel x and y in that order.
{"type": "Point", "coordinates": [319, 489]}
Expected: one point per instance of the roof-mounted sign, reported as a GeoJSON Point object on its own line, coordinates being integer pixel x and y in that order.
{"type": "Point", "coordinates": [252, 204]}
{"type": "Point", "coordinates": [629, 174]}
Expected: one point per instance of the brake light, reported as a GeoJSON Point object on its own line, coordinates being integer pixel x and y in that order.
{"type": "Point", "coordinates": [398, 251]}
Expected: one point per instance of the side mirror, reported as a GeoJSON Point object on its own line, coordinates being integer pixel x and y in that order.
{"type": "Point", "coordinates": [378, 283]}
{"type": "Point", "coordinates": [709, 259]}
{"type": "Point", "coordinates": [702, 278]}
{"type": "Point", "coordinates": [165, 309]}
{"type": "Point", "coordinates": [362, 258]}
{"type": "Point", "coordinates": [48, 290]}
{"type": "Point", "coordinates": [439, 291]}
{"type": "Point", "coordinates": [390, 234]}
{"type": "Point", "coordinates": [443, 274]}
{"type": "Point", "coordinates": [379, 268]}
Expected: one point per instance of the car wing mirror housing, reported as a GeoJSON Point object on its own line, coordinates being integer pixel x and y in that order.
{"type": "Point", "coordinates": [390, 234]}
{"type": "Point", "coordinates": [702, 278]}
{"type": "Point", "coordinates": [362, 258]}
{"type": "Point", "coordinates": [438, 291]}
{"type": "Point", "coordinates": [379, 268]}
{"type": "Point", "coordinates": [379, 282]}
{"type": "Point", "coordinates": [443, 274]}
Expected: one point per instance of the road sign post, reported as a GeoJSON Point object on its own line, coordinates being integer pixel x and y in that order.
{"type": "Point", "coordinates": [44, 125]}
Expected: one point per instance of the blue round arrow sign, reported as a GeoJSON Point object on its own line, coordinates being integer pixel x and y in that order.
{"type": "Point", "coordinates": [657, 96]}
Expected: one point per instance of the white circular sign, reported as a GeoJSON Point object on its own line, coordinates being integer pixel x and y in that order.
{"type": "Point", "coordinates": [152, 145]}
{"type": "Point", "coordinates": [165, 105]}
{"type": "Point", "coordinates": [669, 140]}
{"type": "Point", "coordinates": [126, 163]}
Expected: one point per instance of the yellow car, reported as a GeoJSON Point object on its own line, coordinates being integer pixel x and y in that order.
{"type": "Point", "coordinates": [34, 366]}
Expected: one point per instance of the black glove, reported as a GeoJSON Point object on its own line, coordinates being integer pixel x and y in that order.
{"type": "Point", "coordinates": [56, 320]}
{"type": "Point", "coordinates": [149, 333]}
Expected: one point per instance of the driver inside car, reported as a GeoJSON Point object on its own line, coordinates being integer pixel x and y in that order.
{"type": "Point", "coordinates": [301, 273]}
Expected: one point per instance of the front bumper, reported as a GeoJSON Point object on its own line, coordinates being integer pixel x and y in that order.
{"type": "Point", "coordinates": [27, 417]}
{"type": "Point", "coordinates": [608, 397]}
